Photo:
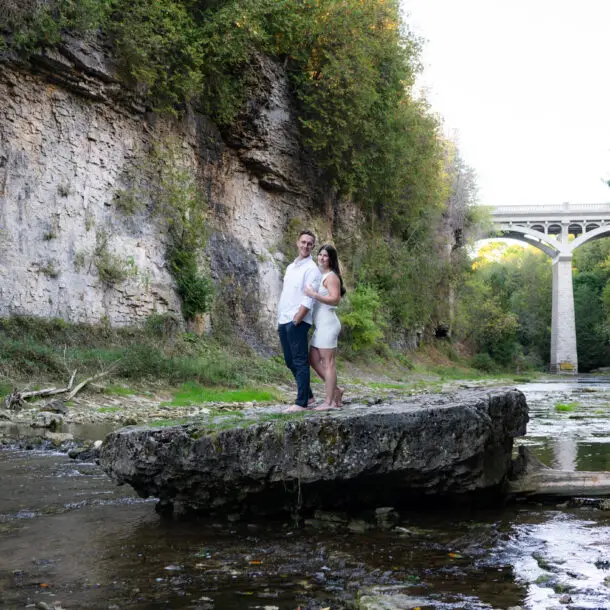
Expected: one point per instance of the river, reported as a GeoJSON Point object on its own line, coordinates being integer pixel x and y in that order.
{"type": "Point", "coordinates": [71, 539]}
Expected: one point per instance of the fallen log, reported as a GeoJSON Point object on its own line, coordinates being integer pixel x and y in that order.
{"type": "Point", "coordinates": [17, 399]}
{"type": "Point", "coordinates": [530, 477]}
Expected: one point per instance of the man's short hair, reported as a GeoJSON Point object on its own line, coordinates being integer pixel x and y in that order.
{"type": "Point", "coordinates": [308, 232]}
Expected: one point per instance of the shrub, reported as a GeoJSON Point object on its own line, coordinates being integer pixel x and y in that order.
{"type": "Point", "coordinates": [361, 319]}
{"type": "Point", "coordinates": [483, 362]}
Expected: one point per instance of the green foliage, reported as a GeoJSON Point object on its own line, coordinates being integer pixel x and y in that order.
{"type": "Point", "coordinates": [34, 349]}
{"type": "Point", "coordinates": [592, 303]}
{"type": "Point", "coordinates": [160, 48]}
{"type": "Point", "coordinates": [195, 288]}
{"type": "Point", "coordinates": [182, 208]}
{"type": "Point", "coordinates": [591, 330]}
{"type": "Point", "coordinates": [352, 66]}
{"type": "Point", "coordinates": [483, 362]}
{"type": "Point", "coordinates": [504, 307]}
{"type": "Point", "coordinates": [362, 318]}
{"type": "Point", "coordinates": [404, 275]}
{"type": "Point", "coordinates": [32, 25]}
{"type": "Point", "coordinates": [111, 268]}
{"type": "Point", "coordinates": [165, 182]}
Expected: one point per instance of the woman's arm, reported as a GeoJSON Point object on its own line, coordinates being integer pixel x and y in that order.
{"type": "Point", "coordinates": [334, 291]}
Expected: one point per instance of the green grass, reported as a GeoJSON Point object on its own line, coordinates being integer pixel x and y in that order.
{"type": "Point", "coordinates": [566, 407]}
{"type": "Point", "coordinates": [194, 394]}
{"type": "Point", "coordinates": [36, 350]}
{"type": "Point", "coordinates": [379, 385]}
{"type": "Point", "coordinates": [118, 390]}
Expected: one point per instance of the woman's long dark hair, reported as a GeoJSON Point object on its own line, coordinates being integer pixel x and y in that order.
{"type": "Point", "coordinates": [333, 262]}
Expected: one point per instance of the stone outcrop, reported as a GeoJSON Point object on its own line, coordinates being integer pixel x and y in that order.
{"type": "Point", "coordinates": [385, 455]}
{"type": "Point", "coordinates": [72, 137]}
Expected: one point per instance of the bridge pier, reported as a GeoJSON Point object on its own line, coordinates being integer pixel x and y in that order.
{"type": "Point", "coordinates": [564, 358]}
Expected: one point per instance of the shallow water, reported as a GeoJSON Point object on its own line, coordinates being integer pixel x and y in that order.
{"type": "Point", "coordinates": [68, 535]}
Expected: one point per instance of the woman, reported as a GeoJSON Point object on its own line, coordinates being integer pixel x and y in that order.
{"type": "Point", "coordinates": [327, 326]}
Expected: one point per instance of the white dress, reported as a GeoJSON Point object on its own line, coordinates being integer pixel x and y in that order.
{"type": "Point", "coordinates": [326, 322]}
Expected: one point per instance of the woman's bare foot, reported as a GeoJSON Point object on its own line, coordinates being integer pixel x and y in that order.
{"type": "Point", "coordinates": [339, 396]}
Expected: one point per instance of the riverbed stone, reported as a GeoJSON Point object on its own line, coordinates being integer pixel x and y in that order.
{"type": "Point", "coordinates": [45, 419]}
{"type": "Point", "coordinates": [386, 455]}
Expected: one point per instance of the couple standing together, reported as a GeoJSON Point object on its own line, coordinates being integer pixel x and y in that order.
{"type": "Point", "coordinates": [310, 295]}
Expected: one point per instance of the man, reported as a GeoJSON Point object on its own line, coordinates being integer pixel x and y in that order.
{"type": "Point", "coordinates": [295, 317]}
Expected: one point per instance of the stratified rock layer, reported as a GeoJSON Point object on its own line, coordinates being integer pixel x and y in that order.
{"type": "Point", "coordinates": [354, 458]}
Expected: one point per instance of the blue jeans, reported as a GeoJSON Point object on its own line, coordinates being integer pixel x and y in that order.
{"type": "Point", "coordinates": [294, 345]}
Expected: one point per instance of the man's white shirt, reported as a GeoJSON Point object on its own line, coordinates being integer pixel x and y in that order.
{"type": "Point", "coordinates": [299, 273]}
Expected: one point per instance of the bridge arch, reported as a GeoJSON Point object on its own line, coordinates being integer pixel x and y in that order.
{"type": "Point", "coordinates": [590, 235]}
{"type": "Point", "coordinates": [531, 236]}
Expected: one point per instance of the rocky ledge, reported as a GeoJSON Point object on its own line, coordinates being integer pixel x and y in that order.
{"type": "Point", "coordinates": [361, 456]}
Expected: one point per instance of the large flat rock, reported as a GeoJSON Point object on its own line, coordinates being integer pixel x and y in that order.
{"type": "Point", "coordinates": [361, 456]}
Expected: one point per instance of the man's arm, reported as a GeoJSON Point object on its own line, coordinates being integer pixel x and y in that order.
{"type": "Point", "coordinates": [300, 314]}
{"type": "Point", "coordinates": [313, 277]}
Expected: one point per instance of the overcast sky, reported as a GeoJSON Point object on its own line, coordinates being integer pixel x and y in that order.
{"type": "Point", "coordinates": [526, 85]}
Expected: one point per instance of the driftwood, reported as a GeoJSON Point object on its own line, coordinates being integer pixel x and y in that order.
{"type": "Point", "coordinates": [82, 384]}
{"type": "Point", "coordinates": [530, 477]}
{"type": "Point", "coordinates": [17, 399]}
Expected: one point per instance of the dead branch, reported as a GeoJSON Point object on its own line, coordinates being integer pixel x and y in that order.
{"type": "Point", "coordinates": [82, 384]}
{"type": "Point", "coordinates": [17, 399]}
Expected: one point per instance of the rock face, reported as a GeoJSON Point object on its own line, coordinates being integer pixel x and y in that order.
{"type": "Point", "coordinates": [72, 138]}
{"type": "Point", "coordinates": [359, 457]}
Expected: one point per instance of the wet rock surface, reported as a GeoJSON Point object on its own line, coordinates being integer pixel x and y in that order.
{"type": "Point", "coordinates": [387, 454]}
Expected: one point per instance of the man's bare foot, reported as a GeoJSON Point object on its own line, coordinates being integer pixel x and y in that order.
{"type": "Point", "coordinates": [311, 402]}
{"type": "Point", "coordinates": [339, 396]}
{"type": "Point", "coordinates": [326, 407]}
{"type": "Point", "coordinates": [294, 409]}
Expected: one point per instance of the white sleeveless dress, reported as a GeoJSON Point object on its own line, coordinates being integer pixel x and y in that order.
{"type": "Point", "coordinates": [325, 320]}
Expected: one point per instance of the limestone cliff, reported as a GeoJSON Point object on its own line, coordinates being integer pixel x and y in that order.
{"type": "Point", "coordinates": [70, 138]}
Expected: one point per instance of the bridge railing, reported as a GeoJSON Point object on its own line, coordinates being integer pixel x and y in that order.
{"type": "Point", "coordinates": [552, 210]}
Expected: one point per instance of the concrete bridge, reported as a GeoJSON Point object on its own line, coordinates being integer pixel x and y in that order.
{"type": "Point", "coordinates": [548, 228]}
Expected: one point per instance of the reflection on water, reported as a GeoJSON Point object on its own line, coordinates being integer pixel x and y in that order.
{"type": "Point", "coordinates": [569, 424]}
{"type": "Point", "coordinates": [68, 535]}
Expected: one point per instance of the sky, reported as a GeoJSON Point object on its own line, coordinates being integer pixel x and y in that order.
{"type": "Point", "coordinates": [524, 85]}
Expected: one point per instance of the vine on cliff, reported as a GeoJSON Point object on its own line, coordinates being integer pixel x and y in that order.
{"type": "Point", "coordinates": [167, 184]}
